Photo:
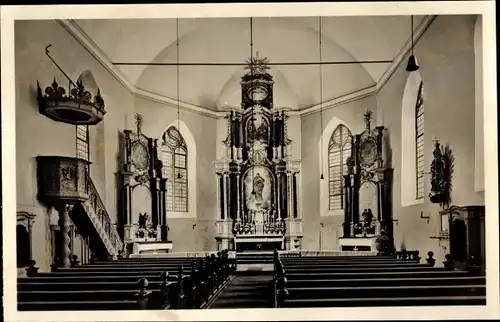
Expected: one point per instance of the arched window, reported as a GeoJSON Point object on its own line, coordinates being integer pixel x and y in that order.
{"type": "Point", "coordinates": [174, 157]}
{"type": "Point", "coordinates": [82, 142]}
{"type": "Point", "coordinates": [419, 143]}
{"type": "Point", "coordinates": [412, 141]}
{"type": "Point", "coordinates": [339, 149]}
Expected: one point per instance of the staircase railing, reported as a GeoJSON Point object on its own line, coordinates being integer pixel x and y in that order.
{"type": "Point", "coordinates": [107, 231]}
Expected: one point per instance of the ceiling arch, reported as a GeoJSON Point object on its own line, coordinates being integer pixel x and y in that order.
{"type": "Point", "coordinates": [283, 39]}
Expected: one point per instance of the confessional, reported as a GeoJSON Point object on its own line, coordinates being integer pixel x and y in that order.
{"type": "Point", "coordinates": [367, 193]}
{"type": "Point", "coordinates": [257, 174]}
{"type": "Point", "coordinates": [143, 195]}
{"type": "Point", "coordinates": [466, 235]}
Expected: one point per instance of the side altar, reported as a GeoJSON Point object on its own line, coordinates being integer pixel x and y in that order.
{"type": "Point", "coordinates": [143, 221]}
{"type": "Point", "coordinates": [368, 224]}
{"type": "Point", "coordinates": [257, 174]}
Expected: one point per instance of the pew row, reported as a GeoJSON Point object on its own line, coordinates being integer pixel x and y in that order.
{"type": "Point", "coordinates": [400, 280]}
{"type": "Point", "coordinates": [162, 284]}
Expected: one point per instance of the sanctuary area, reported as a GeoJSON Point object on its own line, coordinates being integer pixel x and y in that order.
{"type": "Point", "coordinates": [249, 162]}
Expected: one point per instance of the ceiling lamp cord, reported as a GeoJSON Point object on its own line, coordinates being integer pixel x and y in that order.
{"type": "Point", "coordinates": [412, 62]}
{"type": "Point", "coordinates": [178, 104]}
{"type": "Point", "coordinates": [411, 34]}
{"type": "Point", "coordinates": [252, 111]}
{"type": "Point", "coordinates": [321, 96]}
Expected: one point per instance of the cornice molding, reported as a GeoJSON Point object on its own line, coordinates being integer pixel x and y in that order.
{"type": "Point", "coordinates": [346, 98]}
{"type": "Point", "coordinates": [72, 27]}
{"type": "Point", "coordinates": [145, 94]}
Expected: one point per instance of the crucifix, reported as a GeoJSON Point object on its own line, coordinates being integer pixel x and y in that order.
{"type": "Point", "coordinates": [138, 122]}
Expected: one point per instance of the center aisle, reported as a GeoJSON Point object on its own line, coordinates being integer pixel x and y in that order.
{"type": "Point", "coordinates": [248, 289]}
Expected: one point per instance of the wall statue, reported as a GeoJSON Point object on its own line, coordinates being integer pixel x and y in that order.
{"type": "Point", "coordinates": [441, 175]}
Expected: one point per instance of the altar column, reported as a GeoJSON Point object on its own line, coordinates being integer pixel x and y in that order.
{"type": "Point", "coordinates": [225, 190]}
{"type": "Point", "coordinates": [220, 210]}
{"type": "Point", "coordinates": [280, 192]}
{"type": "Point", "coordinates": [352, 207]}
{"type": "Point", "coordinates": [238, 197]}
{"type": "Point", "coordinates": [381, 198]}
{"type": "Point", "coordinates": [289, 194]}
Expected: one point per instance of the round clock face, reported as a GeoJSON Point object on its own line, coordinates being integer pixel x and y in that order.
{"type": "Point", "coordinates": [257, 93]}
{"type": "Point", "coordinates": [140, 156]}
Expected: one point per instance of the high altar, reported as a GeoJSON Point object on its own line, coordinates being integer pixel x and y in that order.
{"type": "Point", "coordinates": [257, 174]}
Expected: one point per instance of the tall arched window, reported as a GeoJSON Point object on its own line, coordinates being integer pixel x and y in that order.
{"type": "Point", "coordinates": [82, 142]}
{"type": "Point", "coordinates": [419, 143]}
{"type": "Point", "coordinates": [339, 149]}
{"type": "Point", "coordinates": [174, 157]}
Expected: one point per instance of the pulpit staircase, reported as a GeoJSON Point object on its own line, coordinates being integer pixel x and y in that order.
{"type": "Point", "coordinates": [93, 220]}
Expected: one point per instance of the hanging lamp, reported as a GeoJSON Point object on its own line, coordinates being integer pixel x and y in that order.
{"type": "Point", "coordinates": [412, 61]}
{"type": "Point", "coordinates": [178, 105]}
{"type": "Point", "coordinates": [321, 97]}
{"type": "Point", "coordinates": [252, 112]}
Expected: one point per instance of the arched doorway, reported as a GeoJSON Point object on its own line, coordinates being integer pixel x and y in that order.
{"type": "Point", "coordinates": [458, 241]}
{"type": "Point", "coordinates": [23, 246]}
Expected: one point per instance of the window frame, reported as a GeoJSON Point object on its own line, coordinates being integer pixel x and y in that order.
{"type": "Point", "coordinates": [175, 151]}
{"type": "Point", "coordinates": [340, 148]}
{"type": "Point", "coordinates": [419, 153]}
{"type": "Point", "coordinates": [85, 142]}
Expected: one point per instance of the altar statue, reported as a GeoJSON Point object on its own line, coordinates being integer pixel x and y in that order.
{"type": "Point", "coordinates": [257, 201]}
{"type": "Point", "coordinates": [258, 186]}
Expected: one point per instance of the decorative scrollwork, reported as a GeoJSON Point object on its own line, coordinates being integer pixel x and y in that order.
{"type": "Point", "coordinates": [367, 175]}
{"type": "Point", "coordinates": [142, 178]}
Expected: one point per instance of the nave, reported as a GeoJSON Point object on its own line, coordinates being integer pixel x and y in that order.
{"type": "Point", "coordinates": [217, 282]}
{"type": "Point", "coordinates": [250, 187]}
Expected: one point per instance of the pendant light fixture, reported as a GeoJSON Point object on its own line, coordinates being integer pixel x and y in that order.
{"type": "Point", "coordinates": [321, 96]}
{"type": "Point", "coordinates": [412, 62]}
{"type": "Point", "coordinates": [252, 111]}
{"type": "Point", "coordinates": [178, 105]}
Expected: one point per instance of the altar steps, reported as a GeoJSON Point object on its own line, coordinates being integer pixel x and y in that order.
{"type": "Point", "coordinates": [246, 258]}
{"type": "Point", "coordinates": [246, 291]}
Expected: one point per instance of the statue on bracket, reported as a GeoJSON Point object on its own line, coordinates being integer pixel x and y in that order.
{"type": "Point", "coordinates": [441, 175]}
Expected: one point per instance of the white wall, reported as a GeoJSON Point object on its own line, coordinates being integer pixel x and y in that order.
{"type": "Point", "coordinates": [38, 135]}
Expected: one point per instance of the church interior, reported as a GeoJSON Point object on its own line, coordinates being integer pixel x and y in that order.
{"type": "Point", "coordinates": [249, 162]}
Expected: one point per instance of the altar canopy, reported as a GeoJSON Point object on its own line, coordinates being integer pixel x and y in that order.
{"type": "Point", "coordinates": [257, 174]}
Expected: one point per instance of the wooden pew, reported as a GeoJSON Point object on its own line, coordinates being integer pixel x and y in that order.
{"type": "Point", "coordinates": [373, 281]}
{"type": "Point", "coordinates": [141, 285]}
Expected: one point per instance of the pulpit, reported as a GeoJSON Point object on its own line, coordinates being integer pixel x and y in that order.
{"type": "Point", "coordinates": [143, 222]}
{"type": "Point", "coordinates": [257, 174]}
{"type": "Point", "coordinates": [367, 184]}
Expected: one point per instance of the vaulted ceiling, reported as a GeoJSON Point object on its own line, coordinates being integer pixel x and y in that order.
{"type": "Point", "coordinates": [227, 40]}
